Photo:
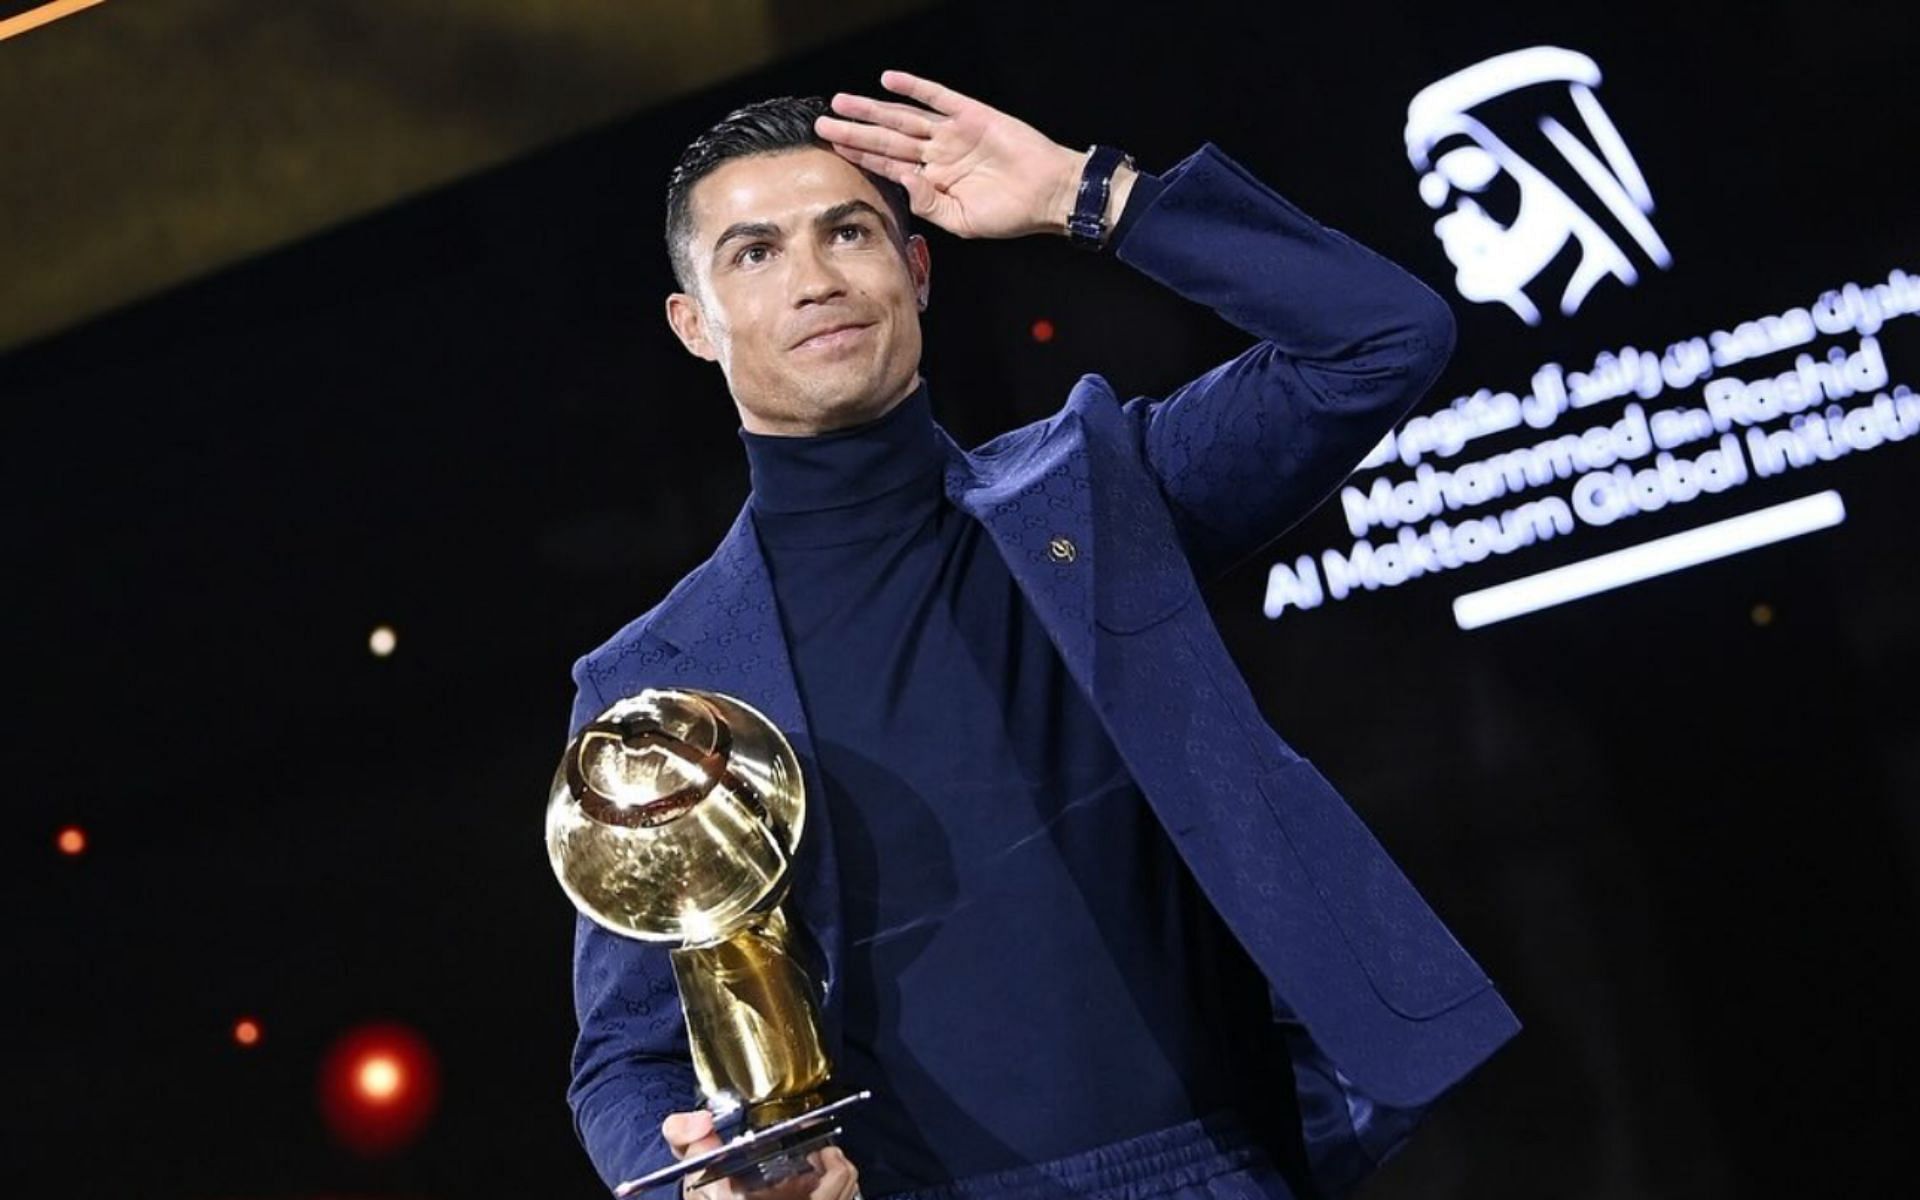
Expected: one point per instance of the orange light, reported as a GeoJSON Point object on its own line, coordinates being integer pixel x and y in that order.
{"type": "Point", "coordinates": [246, 1031]}
{"type": "Point", "coordinates": [1043, 330]}
{"type": "Point", "coordinates": [72, 840]}
{"type": "Point", "coordinates": [378, 1088]}
{"type": "Point", "coordinates": [44, 14]}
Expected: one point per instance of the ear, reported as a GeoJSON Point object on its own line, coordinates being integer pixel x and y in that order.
{"type": "Point", "coordinates": [689, 322]}
{"type": "Point", "coordinates": [920, 267]}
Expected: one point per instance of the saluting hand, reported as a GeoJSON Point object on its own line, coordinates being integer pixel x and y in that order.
{"type": "Point", "coordinates": [968, 167]}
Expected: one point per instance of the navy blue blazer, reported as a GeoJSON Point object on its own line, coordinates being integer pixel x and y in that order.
{"type": "Point", "coordinates": [1155, 496]}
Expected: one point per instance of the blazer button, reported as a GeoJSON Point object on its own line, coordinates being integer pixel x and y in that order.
{"type": "Point", "coordinates": [1062, 550]}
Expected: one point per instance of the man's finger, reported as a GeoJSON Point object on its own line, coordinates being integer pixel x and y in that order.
{"type": "Point", "coordinates": [936, 96]}
{"type": "Point", "coordinates": [689, 1133]}
{"type": "Point", "coordinates": [906, 118]}
{"type": "Point", "coordinates": [874, 138]}
{"type": "Point", "coordinates": [879, 164]}
{"type": "Point", "coordinates": [922, 197]}
{"type": "Point", "coordinates": [839, 1179]}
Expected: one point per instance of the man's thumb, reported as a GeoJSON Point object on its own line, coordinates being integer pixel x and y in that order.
{"type": "Point", "coordinates": [689, 1132]}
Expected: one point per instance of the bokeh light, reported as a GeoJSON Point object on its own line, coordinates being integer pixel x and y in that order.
{"type": "Point", "coordinates": [1042, 330]}
{"type": "Point", "coordinates": [380, 1079]}
{"type": "Point", "coordinates": [72, 840]}
{"type": "Point", "coordinates": [246, 1031]}
{"type": "Point", "coordinates": [378, 1088]}
{"type": "Point", "coordinates": [382, 640]}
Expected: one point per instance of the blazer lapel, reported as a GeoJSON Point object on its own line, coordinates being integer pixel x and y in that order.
{"type": "Point", "coordinates": [1036, 506]}
{"type": "Point", "coordinates": [1082, 527]}
{"type": "Point", "coordinates": [726, 630]}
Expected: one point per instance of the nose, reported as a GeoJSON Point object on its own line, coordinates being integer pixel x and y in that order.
{"type": "Point", "coordinates": [815, 277]}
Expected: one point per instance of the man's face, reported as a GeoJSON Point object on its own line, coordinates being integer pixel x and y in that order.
{"type": "Point", "coordinates": [787, 247]}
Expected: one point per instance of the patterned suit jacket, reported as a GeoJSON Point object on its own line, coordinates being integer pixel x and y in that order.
{"type": "Point", "coordinates": [1109, 515]}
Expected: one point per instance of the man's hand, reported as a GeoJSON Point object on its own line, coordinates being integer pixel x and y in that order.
{"type": "Point", "coordinates": [968, 167]}
{"type": "Point", "coordinates": [832, 1177]}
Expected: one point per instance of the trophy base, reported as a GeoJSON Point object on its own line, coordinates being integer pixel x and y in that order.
{"type": "Point", "coordinates": [758, 1157]}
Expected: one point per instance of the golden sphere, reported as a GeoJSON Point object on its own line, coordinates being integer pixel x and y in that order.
{"type": "Point", "coordinates": [674, 816]}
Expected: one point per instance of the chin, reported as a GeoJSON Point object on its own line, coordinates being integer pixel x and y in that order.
{"type": "Point", "coordinates": [848, 394]}
{"type": "Point", "coordinates": [829, 399]}
{"type": "Point", "coordinates": [851, 409]}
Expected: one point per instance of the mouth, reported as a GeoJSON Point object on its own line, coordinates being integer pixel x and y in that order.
{"type": "Point", "coordinates": [828, 339]}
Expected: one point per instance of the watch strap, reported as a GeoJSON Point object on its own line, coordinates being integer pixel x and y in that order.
{"type": "Point", "coordinates": [1087, 227]}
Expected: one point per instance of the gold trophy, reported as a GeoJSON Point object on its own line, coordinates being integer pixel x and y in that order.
{"type": "Point", "coordinates": [674, 817]}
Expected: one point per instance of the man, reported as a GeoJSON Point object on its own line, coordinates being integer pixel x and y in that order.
{"type": "Point", "coordinates": [1084, 922]}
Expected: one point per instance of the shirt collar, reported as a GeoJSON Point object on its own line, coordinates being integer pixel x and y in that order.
{"type": "Point", "coordinates": [854, 467]}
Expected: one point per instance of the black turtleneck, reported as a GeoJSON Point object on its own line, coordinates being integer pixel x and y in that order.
{"type": "Point", "coordinates": [1029, 969]}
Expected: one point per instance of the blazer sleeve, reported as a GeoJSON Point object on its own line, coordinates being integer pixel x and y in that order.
{"type": "Point", "coordinates": [1349, 342]}
{"type": "Point", "coordinates": [631, 1064]}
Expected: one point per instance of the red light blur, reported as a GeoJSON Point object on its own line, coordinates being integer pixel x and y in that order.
{"type": "Point", "coordinates": [72, 840]}
{"type": "Point", "coordinates": [1043, 330]}
{"type": "Point", "coordinates": [246, 1031]}
{"type": "Point", "coordinates": [379, 1086]}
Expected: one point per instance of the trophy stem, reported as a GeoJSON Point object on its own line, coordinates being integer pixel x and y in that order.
{"type": "Point", "coordinates": [752, 1025]}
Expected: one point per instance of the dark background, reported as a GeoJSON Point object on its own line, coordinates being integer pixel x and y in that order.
{"type": "Point", "coordinates": [1681, 840]}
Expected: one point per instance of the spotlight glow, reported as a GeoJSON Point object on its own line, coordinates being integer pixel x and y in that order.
{"type": "Point", "coordinates": [382, 641]}
{"type": "Point", "coordinates": [246, 1031]}
{"type": "Point", "coordinates": [378, 1088]}
{"type": "Point", "coordinates": [72, 841]}
{"type": "Point", "coordinates": [380, 1079]}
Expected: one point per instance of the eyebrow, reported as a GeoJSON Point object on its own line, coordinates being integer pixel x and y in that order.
{"type": "Point", "coordinates": [832, 216]}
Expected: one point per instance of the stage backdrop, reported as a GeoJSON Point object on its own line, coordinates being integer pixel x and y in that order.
{"type": "Point", "coordinates": [1613, 642]}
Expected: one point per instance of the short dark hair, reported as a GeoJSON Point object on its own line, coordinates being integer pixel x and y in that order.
{"type": "Point", "coordinates": [765, 127]}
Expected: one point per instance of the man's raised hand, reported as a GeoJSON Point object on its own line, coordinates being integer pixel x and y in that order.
{"type": "Point", "coordinates": [968, 167]}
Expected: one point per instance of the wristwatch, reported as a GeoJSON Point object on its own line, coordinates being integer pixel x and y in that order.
{"type": "Point", "coordinates": [1087, 227]}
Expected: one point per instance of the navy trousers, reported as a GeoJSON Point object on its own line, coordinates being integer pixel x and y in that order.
{"type": "Point", "coordinates": [1209, 1158]}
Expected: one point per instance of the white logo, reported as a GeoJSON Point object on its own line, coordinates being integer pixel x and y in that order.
{"type": "Point", "coordinates": [1460, 159]}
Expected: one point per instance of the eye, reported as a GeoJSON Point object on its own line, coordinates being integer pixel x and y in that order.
{"type": "Point", "coordinates": [747, 254]}
{"type": "Point", "coordinates": [859, 232]}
